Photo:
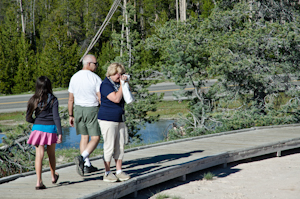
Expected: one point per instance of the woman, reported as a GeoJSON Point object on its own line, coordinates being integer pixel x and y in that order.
{"type": "Point", "coordinates": [46, 125]}
{"type": "Point", "coordinates": [112, 122]}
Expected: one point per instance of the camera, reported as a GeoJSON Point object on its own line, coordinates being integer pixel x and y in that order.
{"type": "Point", "coordinates": [128, 76]}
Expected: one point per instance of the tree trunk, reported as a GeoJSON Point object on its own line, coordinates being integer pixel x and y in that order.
{"type": "Point", "coordinates": [177, 14]}
{"type": "Point", "coordinates": [134, 16]}
{"type": "Point", "coordinates": [182, 6]}
{"type": "Point", "coordinates": [127, 34]}
{"type": "Point", "coordinates": [33, 20]}
{"type": "Point", "coordinates": [142, 26]}
{"type": "Point", "coordinates": [22, 17]}
{"type": "Point", "coordinates": [122, 31]}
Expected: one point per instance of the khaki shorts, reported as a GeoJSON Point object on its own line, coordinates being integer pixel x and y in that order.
{"type": "Point", "coordinates": [86, 120]}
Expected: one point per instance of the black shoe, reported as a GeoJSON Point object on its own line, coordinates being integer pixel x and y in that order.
{"type": "Point", "coordinates": [90, 169]}
{"type": "Point", "coordinates": [79, 164]}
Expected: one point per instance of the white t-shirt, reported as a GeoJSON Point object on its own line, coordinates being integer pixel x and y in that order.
{"type": "Point", "coordinates": [84, 85]}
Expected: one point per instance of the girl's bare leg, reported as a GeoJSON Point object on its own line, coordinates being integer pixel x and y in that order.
{"type": "Point", "coordinates": [52, 160]}
{"type": "Point", "coordinates": [39, 151]}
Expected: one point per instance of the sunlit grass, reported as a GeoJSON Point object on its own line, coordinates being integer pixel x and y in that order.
{"type": "Point", "coordinates": [162, 196]}
{"type": "Point", "coordinates": [16, 116]}
{"type": "Point", "coordinates": [9, 121]}
{"type": "Point", "coordinates": [170, 109]}
{"type": "Point", "coordinates": [208, 176]}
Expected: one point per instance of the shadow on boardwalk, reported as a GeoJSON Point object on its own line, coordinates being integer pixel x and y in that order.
{"type": "Point", "coordinates": [159, 161]}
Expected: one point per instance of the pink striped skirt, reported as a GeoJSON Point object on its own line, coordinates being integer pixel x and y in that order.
{"type": "Point", "coordinates": [42, 138]}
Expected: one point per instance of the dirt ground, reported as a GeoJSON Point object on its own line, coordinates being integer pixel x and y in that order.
{"type": "Point", "coordinates": [266, 177]}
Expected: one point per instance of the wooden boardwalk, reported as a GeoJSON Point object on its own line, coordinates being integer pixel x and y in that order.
{"type": "Point", "coordinates": [151, 165]}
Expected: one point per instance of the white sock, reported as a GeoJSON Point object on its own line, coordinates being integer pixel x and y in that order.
{"type": "Point", "coordinates": [85, 154]}
{"type": "Point", "coordinates": [107, 172]}
{"type": "Point", "coordinates": [87, 162]}
{"type": "Point", "coordinates": [119, 171]}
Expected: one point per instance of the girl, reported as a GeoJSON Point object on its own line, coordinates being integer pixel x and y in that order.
{"type": "Point", "coordinates": [46, 125]}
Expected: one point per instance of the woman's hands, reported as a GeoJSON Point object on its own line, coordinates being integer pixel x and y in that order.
{"type": "Point", "coordinates": [117, 96]}
{"type": "Point", "coordinates": [59, 139]}
{"type": "Point", "coordinates": [124, 78]}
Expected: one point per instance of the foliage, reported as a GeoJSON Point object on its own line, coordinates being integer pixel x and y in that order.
{"type": "Point", "coordinates": [260, 59]}
{"type": "Point", "coordinates": [16, 156]}
{"type": "Point", "coordinates": [58, 32]}
{"type": "Point", "coordinates": [206, 8]}
{"type": "Point", "coordinates": [255, 58]}
{"type": "Point", "coordinates": [8, 52]}
{"type": "Point", "coordinates": [208, 176]}
{"type": "Point", "coordinates": [163, 195]}
{"type": "Point", "coordinates": [185, 60]}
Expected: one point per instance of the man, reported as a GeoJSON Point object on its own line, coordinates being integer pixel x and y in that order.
{"type": "Point", "coordinates": [84, 92]}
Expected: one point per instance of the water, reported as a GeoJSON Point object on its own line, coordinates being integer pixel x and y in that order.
{"type": "Point", "coordinates": [151, 133]}
{"type": "Point", "coordinates": [1, 136]}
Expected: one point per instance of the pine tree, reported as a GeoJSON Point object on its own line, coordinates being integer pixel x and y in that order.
{"type": "Point", "coordinates": [58, 57]}
{"type": "Point", "coordinates": [10, 37]}
{"type": "Point", "coordinates": [23, 79]}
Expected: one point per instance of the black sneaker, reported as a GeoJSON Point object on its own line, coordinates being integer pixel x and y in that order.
{"type": "Point", "coordinates": [90, 169]}
{"type": "Point", "coordinates": [79, 164]}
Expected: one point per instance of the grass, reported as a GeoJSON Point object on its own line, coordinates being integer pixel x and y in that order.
{"type": "Point", "coordinates": [170, 109]}
{"type": "Point", "coordinates": [9, 121]}
{"type": "Point", "coordinates": [208, 176]}
{"type": "Point", "coordinates": [162, 196]}
{"type": "Point", "coordinates": [16, 116]}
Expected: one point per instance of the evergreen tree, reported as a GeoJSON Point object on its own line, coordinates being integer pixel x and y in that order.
{"type": "Point", "coordinates": [59, 58]}
{"type": "Point", "coordinates": [23, 79]}
{"type": "Point", "coordinates": [206, 7]}
{"type": "Point", "coordinates": [10, 36]}
{"type": "Point", "coordinates": [254, 58]}
{"type": "Point", "coordinates": [185, 60]}
{"type": "Point", "coordinates": [106, 55]}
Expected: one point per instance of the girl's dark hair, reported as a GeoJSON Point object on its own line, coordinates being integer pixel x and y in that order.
{"type": "Point", "coordinates": [42, 88]}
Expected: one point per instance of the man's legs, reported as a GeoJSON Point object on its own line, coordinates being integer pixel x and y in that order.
{"type": "Point", "coordinates": [83, 144]}
{"type": "Point", "coordinates": [87, 147]}
{"type": "Point", "coordinates": [87, 125]}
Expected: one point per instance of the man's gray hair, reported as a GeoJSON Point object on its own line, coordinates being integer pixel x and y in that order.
{"type": "Point", "coordinates": [87, 59]}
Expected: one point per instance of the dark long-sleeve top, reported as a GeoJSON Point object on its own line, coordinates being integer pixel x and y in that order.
{"type": "Point", "coordinates": [48, 116]}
